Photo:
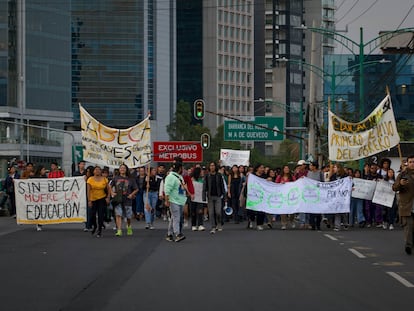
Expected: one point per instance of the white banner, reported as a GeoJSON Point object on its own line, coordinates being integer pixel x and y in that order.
{"type": "Point", "coordinates": [352, 141]}
{"type": "Point", "coordinates": [198, 192]}
{"type": "Point", "coordinates": [302, 196]}
{"type": "Point", "coordinates": [112, 147]}
{"type": "Point", "coordinates": [363, 189]}
{"type": "Point", "coordinates": [50, 200]}
{"type": "Point", "coordinates": [229, 157]}
{"type": "Point", "coordinates": [384, 194]}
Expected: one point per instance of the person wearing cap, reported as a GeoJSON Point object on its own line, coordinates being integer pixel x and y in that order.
{"type": "Point", "coordinates": [315, 174]}
{"type": "Point", "coordinates": [404, 184]}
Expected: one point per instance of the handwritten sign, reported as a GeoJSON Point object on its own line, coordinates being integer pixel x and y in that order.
{"type": "Point", "coordinates": [112, 147]}
{"type": "Point", "coordinates": [352, 141]}
{"type": "Point", "coordinates": [302, 196]}
{"type": "Point", "coordinates": [384, 194]}
{"type": "Point", "coordinates": [363, 188]}
{"type": "Point", "coordinates": [50, 201]}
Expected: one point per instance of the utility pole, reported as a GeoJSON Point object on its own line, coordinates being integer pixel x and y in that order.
{"type": "Point", "coordinates": [312, 100]}
{"type": "Point", "coordinates": [21, 66]}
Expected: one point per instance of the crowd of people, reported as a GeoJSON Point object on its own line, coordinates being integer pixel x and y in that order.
{"type": "Point", "coordinates": [147, 194]}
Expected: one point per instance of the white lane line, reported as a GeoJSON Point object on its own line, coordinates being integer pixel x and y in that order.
{"type": "Point", "coordinates": [400, 279]}
{"type": "Point", "coordinates": [331, 237]}
{"type": "Point", "coordinates": [356, 253]}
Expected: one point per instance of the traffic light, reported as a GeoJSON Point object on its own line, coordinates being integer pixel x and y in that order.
{"type": "Point", "coordinates": [199, 109]}
{"type": "Point", "coordinates": [205, 141]}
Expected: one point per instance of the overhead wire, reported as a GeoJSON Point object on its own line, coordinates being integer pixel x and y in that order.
{"type": "Point", "coordinates": [360, 15]}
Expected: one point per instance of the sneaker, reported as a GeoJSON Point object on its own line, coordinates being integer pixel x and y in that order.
{"type": "Point", "coordinates": [151, 227]}
{"type": "Point", "coordinates": [39, 228]}
{"type": "Point", "coordinates": [408, 250]}
{"type": "Point", "coordinates": [212, 231]}
{"type": "Point", "coordinates": [368, 225]}
{"type": "Point", "coordinates": [85, 229]}
{"type": "Point", "coordinates": [118, 233]}
{"type": "Point", "coordinates": [269, 224]}
{"type": "Point", "coordinates": [259, 228]}
{"type": "Point", "coordinates": [379, 225]}
{"type": "Point", "coordinates": [283, 227]}
{"type": "Point", "coordinates": [164, 218]}
{"type": "Point", "coordinates": [185, 223]}
{"type": "Point", "coordinates": [336, 229]}
{"type": "Point", "coordinates": [169, 238]}
{"type": "Point", "coordinates": [384, 226]}
{"type": "Point", "coordinates": [179, 237]}
{"type": "Point", "coordinates": [391, 227]}
{"type": "Point", "coordinates": [293, 225]}
{"type": "Point", "coordinates": [147, 226]}
{"type": "Point", "coordinates": [99, 234]}
{"type": "Point", "coordinates": [250, 226]}
{"type": "Point", "coordinates": [220, 229]}
{"type": "Point", "coordinates": [194, 228]}
{"type": "Point", "coordinates": [205, 218]}
{"type": "Point", "coordinates": [129, 230]}
{"type": "Point", "coordinates": [201, 228]}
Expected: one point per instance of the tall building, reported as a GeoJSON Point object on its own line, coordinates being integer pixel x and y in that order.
{"type": "Point", "coordinates": [123, 62]}
{"type": "Point", "coordinates": [228, 59]}
{"type": "Point", "coordinates": [35, 80]}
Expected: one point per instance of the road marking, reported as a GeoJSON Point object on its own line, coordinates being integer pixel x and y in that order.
{"type": "Point", "coordinates": [400, 279]}
{"type": "Point", "coordinates": [356, 253]}
{"type": "Point", "coordinates": [331, 237]}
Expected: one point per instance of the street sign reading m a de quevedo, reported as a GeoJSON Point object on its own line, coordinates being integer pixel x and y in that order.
{"type": "Point", "coordinates": [237, 131]}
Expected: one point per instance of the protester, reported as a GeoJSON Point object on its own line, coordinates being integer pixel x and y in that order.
{"type": "Point", "coordinates": [39, 173]}
{"type": "Point", "coordinates": [197, 222]}
{"type": "Point", "coordinates": [139, 199]}
{"type": "Point", "coordinates": [338, 172]}
{"type": "Point", "coordinates": [390, 211]}
{"type": "Point", "coordinates": [9, 185]}
{"type": "Point", "coordinates": [259, 215]}
{"type": "Point", "coordinates": [284, 177]}
{"type": "Point", "coordinates": [404, 184]}
{"type": "Point", "coordinates": [213, 191]}
{"type": "Point", "coordinates": [123, 191]}
{"type": "Point", "coordinates": [175, 198]}
{"type": "Point", "coordinates": [315, 174]}
{"type": "Point", "coordinates": [373, 211]}
{"type": "Point", "coordinates": [150, 198]}
{"type": "Point", "coordinates": [357, 206]}
{"type": "Point", "coordinates": [81, 169]}
{"type": "Point", "coordinates": [233, 192]}
{"type": "Point", "coordinates": [55, 172]}
{"type": "Point", "coordinates": [301, 170]}
{"type": "Point", "coordinates": [97, 199]}
{"type": "Point", "coordinates": [28, 172]}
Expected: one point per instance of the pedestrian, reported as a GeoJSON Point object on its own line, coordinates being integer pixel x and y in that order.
{"type": "Point", "coordinates": [213, 192]}
{"type": "Point", "coordinates": [196, 205]}
{"type": "Point", "coordinates": [357, 206]}
{"type": "Point", "coordinates": [28, 172]}
{"type": "Point", "coordinates": [390, 211]}
{"type": "Point", "coordinates": [81, 169]}
{"type": "Point", "coordinates": [284, 177]}
{"type": "Point", "coordinates": [150, 198]}
{"type": "Point", "coordinates": [301, 170]}
{"type": "Point", "coordinates": [124, 190]}
{"type": "Point", "coordinates": [55, 171]}
{"type": "Point", "coordinates": [97, 199]}
{"type": "Point", "coordinates": [139, 199]}
{"type": "Point", "coordinates": [338, 172]}
{"type": "Point", "coordinates": [9, 184]}
{"type": "Point", "coordinates": [404, 184]}
{"type": "Point", "coordinates": [315, 174]}
{"type": "Point", "coordinates": [373, 211]}
{"type": "Point", "coordinates": [175, 198]}
{"type": "Point", "coordinates": [40, 172]}
{"type": "Point", "coordinates": [233, 192]}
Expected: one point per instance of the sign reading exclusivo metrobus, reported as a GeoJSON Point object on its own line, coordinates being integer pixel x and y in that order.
{"type": "Point", "coordinates": [166, 151]}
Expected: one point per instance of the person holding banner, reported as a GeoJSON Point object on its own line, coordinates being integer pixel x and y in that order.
{"type": "Point", "coordinates": [404, 184]}
{"type": "Point", "coordinates": [357, 206]}
{"type": "Point", "coordinates": [123, 192]}
{"type": "Point", "coordinates": [338, 172]}
{"type": "Point", "coordinates": [284, 177]}
{"type": "Point", "coordinates": [373, 211]}
{"type": "Point", "coordinates": [9, 185]}
{"type": "Point", "coordinates": [97, 199]}
{"type": "Point", "coordinates": [39, 173]}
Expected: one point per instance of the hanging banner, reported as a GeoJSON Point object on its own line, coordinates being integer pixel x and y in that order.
{"type": "Point", "coordinates": [352, 141]}
{"type": "Point", "coordinates": [50, 200]}
{"type": "Point", "coordinates": [384, 195]}
{"type": "Point", "coordinates": [229, 157]}
{"type": "Point", "coordinates": [112, 147]}
{"type": "Point", "coordinates": [302, 196]}
{"type": "Point", "coordinates": [363, 188]}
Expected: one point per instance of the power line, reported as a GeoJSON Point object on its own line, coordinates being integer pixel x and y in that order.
{"type": "Point", "coordinates": [375, 2]}
{"type": "Point", "coordinates": [405, 17]}
{"type": "Point", "coordinates": [347, 12]}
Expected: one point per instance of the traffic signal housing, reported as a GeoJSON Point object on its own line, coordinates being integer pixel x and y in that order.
{"type": "Point", "coordinates": [199, 109]}
{"type": "Point", "coordinates": [205, 141]}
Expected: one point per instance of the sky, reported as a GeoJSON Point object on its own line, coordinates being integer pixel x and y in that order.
{"type": "Point", "coordinates": [373, 16]}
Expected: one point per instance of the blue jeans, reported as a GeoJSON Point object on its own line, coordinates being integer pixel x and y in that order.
{"type": "Point", "coordinates": [151, 199]}
{"type": "Point", "coordinates": [356, 209]}
{"type": "Point", "coordinates": [140, 202]}
{"type": "Point", "coordinates": [174, 223]}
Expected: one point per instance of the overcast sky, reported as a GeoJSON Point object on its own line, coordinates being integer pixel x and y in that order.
{"type": "Point", "coordinates": [373, 16]}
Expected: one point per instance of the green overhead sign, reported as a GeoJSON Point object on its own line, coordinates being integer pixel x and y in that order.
{"type": "Point", "coordinates": [269, 129]}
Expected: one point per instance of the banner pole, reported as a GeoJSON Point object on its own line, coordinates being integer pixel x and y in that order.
{"type": "Point", "coordinates": [147, 206]}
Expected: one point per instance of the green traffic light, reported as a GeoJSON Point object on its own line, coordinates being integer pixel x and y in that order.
{"type": "Point", "coordinates": [199, 114]}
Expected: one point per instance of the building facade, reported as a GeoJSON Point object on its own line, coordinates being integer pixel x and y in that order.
{"type": "Point", "coordinates": [35, 80]}
{"type": "Point", "coordinates": [123, 62]}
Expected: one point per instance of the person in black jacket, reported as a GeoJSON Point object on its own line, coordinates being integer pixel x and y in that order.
{"type": "Point", "coordinates": [213, 191]}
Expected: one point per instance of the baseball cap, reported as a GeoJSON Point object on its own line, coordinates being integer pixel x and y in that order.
{"type": "Point", "coordinates": [301, 162]}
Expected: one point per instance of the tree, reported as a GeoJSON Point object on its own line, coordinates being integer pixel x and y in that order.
{"type": "Point", "coordinates": [406, 130]}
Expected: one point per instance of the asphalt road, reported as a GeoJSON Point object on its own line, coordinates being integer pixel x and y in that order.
{"type": "Point", "coordinates": [64, 268]}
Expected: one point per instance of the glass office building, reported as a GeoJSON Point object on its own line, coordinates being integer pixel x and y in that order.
{"type": "Point", "coordinates": [123, 61]}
